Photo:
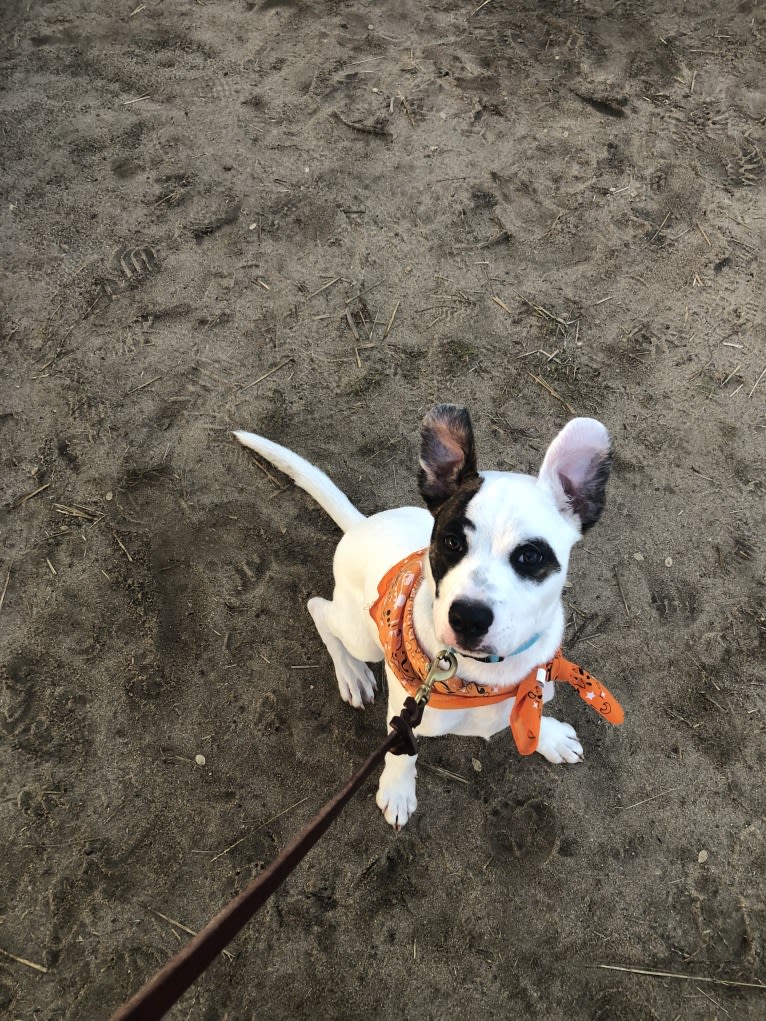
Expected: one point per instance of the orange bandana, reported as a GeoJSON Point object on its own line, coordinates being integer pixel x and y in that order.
{"type": "Point", "coordinates": [392, 613]}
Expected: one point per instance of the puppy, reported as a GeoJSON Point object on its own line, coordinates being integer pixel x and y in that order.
{"type": "Point", "coordinates": [480, 572]}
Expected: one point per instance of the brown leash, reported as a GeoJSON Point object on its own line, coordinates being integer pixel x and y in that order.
{"type": "Point", "coordinates": [159, 994]}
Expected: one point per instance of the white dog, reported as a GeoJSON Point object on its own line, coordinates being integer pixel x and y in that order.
{"type": "Point", "coordinates": [481, 574]}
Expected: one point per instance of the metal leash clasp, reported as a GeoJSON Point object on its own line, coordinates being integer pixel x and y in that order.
{"type": "Point", "coordinates": [437, 672]}
{"type": "Point", "coordinates": [403, 725]}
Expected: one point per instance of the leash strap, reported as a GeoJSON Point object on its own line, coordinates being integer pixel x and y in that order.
{"type": "Point", "coordinates": [158, 995]}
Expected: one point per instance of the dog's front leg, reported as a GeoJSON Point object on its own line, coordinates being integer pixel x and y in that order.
{"type": "Point", "coordinates": [396, 790]}
{"type": "Point", "coordinates": [559, 742]}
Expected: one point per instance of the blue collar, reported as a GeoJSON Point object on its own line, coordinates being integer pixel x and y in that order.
{"type": "Point", "coordinates": [528, 644]}
{"type": "Point", "coordinates": [499, 659]}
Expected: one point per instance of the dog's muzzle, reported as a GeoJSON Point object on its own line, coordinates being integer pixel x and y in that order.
{"type": "Point", "coordinates": [470, 620]}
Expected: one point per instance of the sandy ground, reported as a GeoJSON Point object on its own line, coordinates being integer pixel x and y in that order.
{"type": "Point", "coordinates": [315, 220]}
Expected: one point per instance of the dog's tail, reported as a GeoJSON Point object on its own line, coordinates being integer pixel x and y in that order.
{"type": "Point", "coordinates": [304, 474]}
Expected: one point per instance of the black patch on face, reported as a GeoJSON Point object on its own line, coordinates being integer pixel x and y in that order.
{"type": "Point", "coordinates": [449, 538]}
{"type": "Point", "coordinates": [587, 501]}
{"type": "Point", "coordinates": [534, 560]}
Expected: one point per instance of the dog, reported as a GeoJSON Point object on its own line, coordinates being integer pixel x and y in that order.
{"type": "Point", "coordinates": [484, 567]}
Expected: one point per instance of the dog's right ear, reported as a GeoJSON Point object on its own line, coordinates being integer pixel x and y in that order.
{"type": "Point", "coordinates": [447, 453]}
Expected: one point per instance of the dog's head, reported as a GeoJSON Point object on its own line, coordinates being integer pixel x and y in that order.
{"type": "Point", "coordinates": [501, 541]}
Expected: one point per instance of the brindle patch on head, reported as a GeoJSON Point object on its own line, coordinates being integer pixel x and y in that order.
{"type": "Point", "coordinates": [449, 538]}
{"type": "Point", "coordinates": [447, 454]}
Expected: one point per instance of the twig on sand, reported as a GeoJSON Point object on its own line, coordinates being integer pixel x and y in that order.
{"type": "Point", "coordinates": [77, 512]}
{"type": "Point", "coordinates": [545, 313]}
{"type": "Point", "coordinates": [622, 594]}
{"type": "Point", "coordinates": [699, 228]}
{"type": "Point", "coordinates": [391, 320]}
{"type": "Point", "coordinates": [732, 373]}
{"type": "Point", "coordinates": [324, 287]}
{"type": "Point", "coordinates": [352, 327]}
{"type": "Point", "coordinates": [268, 475]}
{"type": "Point", "coordinates": [657, 232]}
{"type": "Point", "coordinates": [142, 386]}
{"type": "Point", "coordinates": [260, 826]}
{"type": "Point", "coordinates": [365, 129]}
{"type": "Point", "coordinates": [172, 921]}
{"type": "Point", "coordinates": [23, 960]}
{"type": "Point", "coordinates": [365, 291]}
{"type": "Point", "coordinates": [441, 771]}
{"type": "Point", "coordinates": [62, 342]}
{"type": "Point", "coordinates": [28, 496]}
{"type": "Point", "coordinates": [267, 374]}
{"type": "Point", "coordinates": [684, 978]}
{"type": "Point", "coordinates": [552, 392]}
{"type": "Point", "coordinates": [757, 382]}
{"type": "Point", "coordinates": [184, 928]}
{"type": "Point", "coordinates": [5, 586]}
{"type": "Point", "coordinates": [654, 797]}
{"type": "Point", "coordinates": [122, 546]}
{"type": "Point", "coordinates": [482, 4]}
{"type": "Point", "coordinates": [717, 1004]}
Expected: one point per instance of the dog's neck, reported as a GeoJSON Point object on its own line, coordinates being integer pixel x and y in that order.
{"type": "Point", "coordinates": [506, 673]}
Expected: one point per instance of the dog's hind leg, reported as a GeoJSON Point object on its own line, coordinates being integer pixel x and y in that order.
{"type": "Point", "coordinates": [349, 645]}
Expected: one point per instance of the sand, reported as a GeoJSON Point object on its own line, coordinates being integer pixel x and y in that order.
{"type": "Point", "coordinates": [314, 221]}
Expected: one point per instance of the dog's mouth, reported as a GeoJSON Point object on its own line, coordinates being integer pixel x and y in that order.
{"type": "Point", "coordinates": [488, 654]}
{"type": "Point", "coordinates": [480, 652]}
{"type": "Point", "coordinates": [478, 657]}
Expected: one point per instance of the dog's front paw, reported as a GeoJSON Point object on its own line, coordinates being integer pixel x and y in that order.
{"type": "Point", "coordinates": [356, 683]}
{"type": "Point", "coordinates": [396, 800]}
{"type": "Point", "coordinates": [559, 742]}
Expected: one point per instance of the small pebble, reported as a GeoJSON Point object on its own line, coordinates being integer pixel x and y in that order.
{"type": "Point", "coordinates": [639, 557]}
{"type": "Point", "coordinates": [702, 857]}
{"type": "Point", "coordinates": [200, 760]}
{"type": "Point", "coordinates": [110, 495]}
{"type": "Point", "coordinates": [476, 765]}
{"type": "Point", "coordinates": [668, 561]}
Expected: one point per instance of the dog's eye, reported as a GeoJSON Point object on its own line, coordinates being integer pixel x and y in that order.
{"type": "Point", "coordinates": [534, 560]}
{"type": "Point", "coordinates": [453, 543]}
{"type": "Point", "coordinates": [528, 556]}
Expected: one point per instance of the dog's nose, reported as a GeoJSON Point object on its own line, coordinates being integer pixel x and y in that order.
{"type": "Point", "coordinates": [470, 620]}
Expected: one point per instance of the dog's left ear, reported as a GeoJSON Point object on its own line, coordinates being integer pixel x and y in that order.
{"type": "Point", "coordinates": [576, 468]}
{"type": "Point", "coordinates": [447, 453]}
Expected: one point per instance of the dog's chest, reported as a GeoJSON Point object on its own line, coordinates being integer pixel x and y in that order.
{"type": "Point", "coordinates": [479, 721]}
{"type": "Point", "coordinates": [483, 721]}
